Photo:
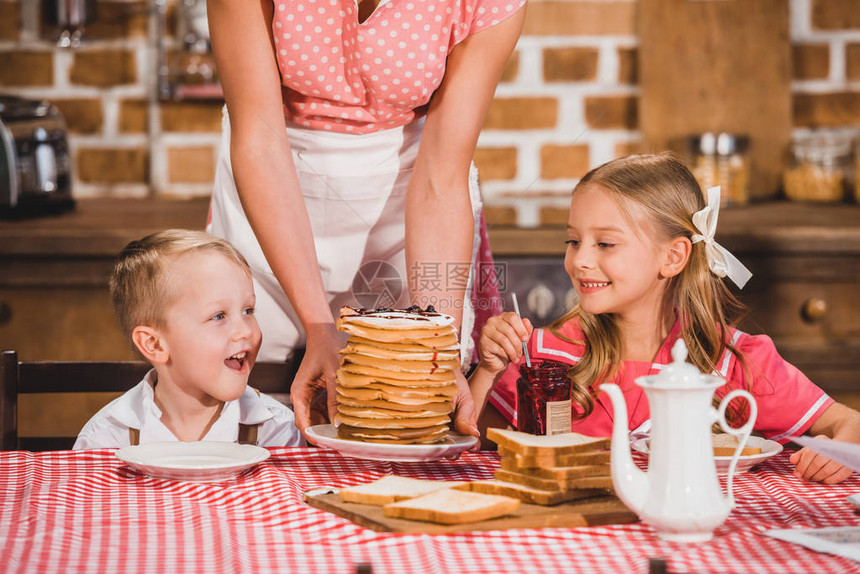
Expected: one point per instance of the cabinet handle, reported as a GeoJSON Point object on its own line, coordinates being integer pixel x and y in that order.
{"type": "Point", "coordinates": [5, 312]}
{"type": "Point", "coordinates": [814, 309]}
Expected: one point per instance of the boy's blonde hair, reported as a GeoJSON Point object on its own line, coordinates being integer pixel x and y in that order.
{"type": "Point", "coordinates": [668, 193]}
{"type": "Point", "coordinates": [138, 286]}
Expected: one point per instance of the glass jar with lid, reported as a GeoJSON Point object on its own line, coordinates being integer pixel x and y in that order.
{"type": "Point", "coordinates": [821, 162]}
{"type": "Point", "coordinates": [721, 159]}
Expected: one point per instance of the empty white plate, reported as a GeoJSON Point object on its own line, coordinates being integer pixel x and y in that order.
{"type": "Point", "coordinates": [199, 461]}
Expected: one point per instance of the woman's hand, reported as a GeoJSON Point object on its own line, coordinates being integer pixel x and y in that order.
{"type": "Point", "coordinates": [502, 340]}
{"type": "Point", "coordinates": [815, 467]}
{"type": "Point", "coordinates": [465, 417]}
{"type": "Point", "coordinates": [313, 391]}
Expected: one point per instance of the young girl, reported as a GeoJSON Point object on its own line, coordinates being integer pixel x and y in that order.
{"type": "Point", "coordinates": [642, 258]}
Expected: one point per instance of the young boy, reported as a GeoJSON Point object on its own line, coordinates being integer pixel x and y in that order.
{"type": "Point", "coordinates": [186, 301]}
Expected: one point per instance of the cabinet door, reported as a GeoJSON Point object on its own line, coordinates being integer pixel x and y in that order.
{"type": "Point", "coordinates": [61, 324]}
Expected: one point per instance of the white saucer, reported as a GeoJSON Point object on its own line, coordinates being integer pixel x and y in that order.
{"type": "Point", "coordinates": [454, 444]}
{"type": "Point", "coordinates": [768, 448]}
{"type": "Point", "coordinates": [200, 461]}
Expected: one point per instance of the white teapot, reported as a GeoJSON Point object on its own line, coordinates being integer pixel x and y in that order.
{"type": "Point", "coordinates": [680, 495]}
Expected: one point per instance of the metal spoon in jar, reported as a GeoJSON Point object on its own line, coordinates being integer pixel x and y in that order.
{"type": "Point", "coordinates": [525, 345]}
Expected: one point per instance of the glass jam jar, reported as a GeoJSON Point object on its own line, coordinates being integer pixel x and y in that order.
{"type": "Point", "coordinates": [543, 398]}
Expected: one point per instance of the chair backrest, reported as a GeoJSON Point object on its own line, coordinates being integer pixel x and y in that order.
{"type": "Point", "coordinates": [27, 377]}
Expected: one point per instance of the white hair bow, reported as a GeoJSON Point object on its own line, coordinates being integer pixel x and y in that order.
{"type": "Point", "coordinates": [721, 262]}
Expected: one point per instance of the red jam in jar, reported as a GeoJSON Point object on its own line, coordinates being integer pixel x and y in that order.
{"type": "Point", "coordinates": [543, 398]}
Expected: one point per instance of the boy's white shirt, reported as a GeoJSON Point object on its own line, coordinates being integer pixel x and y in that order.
{"type": "Point", "coordinates": [137, 409]}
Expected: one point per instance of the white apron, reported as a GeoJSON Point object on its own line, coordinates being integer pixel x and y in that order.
{"type": "Point", "coordinates": [354, 187]}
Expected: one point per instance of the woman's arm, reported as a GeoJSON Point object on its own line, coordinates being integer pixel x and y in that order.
{"type": "Point", "coordinates": [266, 179]}
{"type": "Point", "coordinates": [837, 422]}
{"type": "Point", "coordinates": [439, 223]}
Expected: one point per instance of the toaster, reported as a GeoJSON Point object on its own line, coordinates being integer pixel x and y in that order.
{"type": "Point", "coordinates": [35, 165]}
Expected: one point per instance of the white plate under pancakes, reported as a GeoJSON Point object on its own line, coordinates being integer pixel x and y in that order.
{"type": "Point", "coordinates": [199, 461]}
{"type": "Point", "coordinates": [454, 444]}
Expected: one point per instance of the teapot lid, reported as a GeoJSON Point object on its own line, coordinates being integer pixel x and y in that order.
{"type": "Point", "coordinates": [681, 374]}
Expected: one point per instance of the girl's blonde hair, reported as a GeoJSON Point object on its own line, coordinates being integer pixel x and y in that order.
{"type": "Point", "coordinates": [669, 195]}
{"type": "Point", "coordinates": [139, 287]}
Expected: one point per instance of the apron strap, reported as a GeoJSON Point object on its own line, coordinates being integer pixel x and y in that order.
{"type": "Point", "coordinates": [134, 436]}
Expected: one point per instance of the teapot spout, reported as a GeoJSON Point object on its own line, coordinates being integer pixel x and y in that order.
{"type": "Point", "coordinates": [631, 484]}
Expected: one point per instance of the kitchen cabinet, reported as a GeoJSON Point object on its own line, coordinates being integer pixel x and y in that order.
{"type": "Point", "coordinates": [54, 301]}
{"type": "Point", "coordinates": [805, 260]}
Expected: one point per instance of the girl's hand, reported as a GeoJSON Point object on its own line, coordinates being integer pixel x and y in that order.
{"type": "Point", "coordinates": [502, 341]}
{"type": "Point", "coordinates": [313, 391]}
{"type": "Point", "coordinates": [816, 467]}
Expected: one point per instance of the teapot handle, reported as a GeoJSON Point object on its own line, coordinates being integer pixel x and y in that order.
{"type": "Point", "coordinates": [742, 433]}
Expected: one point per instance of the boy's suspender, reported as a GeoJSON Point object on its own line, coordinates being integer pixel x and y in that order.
{"type": "Point", "coordinates": [247, 433]}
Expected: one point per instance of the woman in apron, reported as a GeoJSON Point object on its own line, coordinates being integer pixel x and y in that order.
{"type": "Point", "coordinates": [345, 169]}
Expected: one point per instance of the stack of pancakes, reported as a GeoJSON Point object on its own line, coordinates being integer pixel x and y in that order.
{"type": "Point", "coordinates": [395, 383]}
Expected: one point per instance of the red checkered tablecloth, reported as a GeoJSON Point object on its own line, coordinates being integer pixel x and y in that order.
{"type": "Point", "coordinates": [86, 512]}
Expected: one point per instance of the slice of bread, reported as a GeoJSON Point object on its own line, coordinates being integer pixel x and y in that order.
{"type": "Point", "coordinates": [545, 461]}
{"type": "Point", "coordinates": [545, 445]}
{"type": "Point", "coordinates": [559, 473]}
{"type": "Point", "coordinates": [526, 494]}
{"type": "Point", "coordinates": [584, 482]}
{"type": "Point", "coordinates": [725, 445]}
{"type": "Point", "coordinates": [392, 488]}
{"type": "Point", "coordinates": [452, 507]}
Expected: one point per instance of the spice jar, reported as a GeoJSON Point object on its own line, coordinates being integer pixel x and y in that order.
{"type": "Point", "coordinates": [821, 163]}
{"type": "Point", "coordinates": [721, 159]}
{"type": "Point", "coordinates": [543, 398]}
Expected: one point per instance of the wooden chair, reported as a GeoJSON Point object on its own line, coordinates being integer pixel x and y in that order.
{"type": "Point", "coordinates": [91, 377]}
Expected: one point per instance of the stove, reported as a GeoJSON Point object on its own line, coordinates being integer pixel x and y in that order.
{"type": "Point", "coordinates": [543, 288]}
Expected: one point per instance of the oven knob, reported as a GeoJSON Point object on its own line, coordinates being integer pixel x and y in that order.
{"type": "Point", "coordinates": [540, 301]}
{"type": "Point", "coordinates": [571, 299]}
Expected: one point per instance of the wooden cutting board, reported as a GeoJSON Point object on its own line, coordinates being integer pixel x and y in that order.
{"type": "Point", "coordinates": [591, 512]}
{"type": "Point", "coordinates": [718, 65]}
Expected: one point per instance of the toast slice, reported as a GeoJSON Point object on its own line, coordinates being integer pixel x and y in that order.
{"type": "Point", "coordinates": [578, 483]}
{"type": "Point", "coordinates": [392, 488]}
{"type": "Point", "coordinates": [559, 473]}
{"type": "Point", "coordinates": [545, 461]}
{"type": "Point", "coordinates": [545, 445]}
{"type": "Point", "coordinates": [725, 445]}
{"type": "Point", "coordinates": [448, 506]}
{"type": "Point", "coordinates": [527, 494]}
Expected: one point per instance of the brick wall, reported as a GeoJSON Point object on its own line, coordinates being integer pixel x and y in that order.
{"type": "Point", "coordinates": [567, 101]}
{"type": "Point", "coordinates": [123, 145]}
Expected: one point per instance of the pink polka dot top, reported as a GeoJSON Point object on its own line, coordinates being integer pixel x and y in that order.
{"type": "Point", "coordinates": [345, 76]}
